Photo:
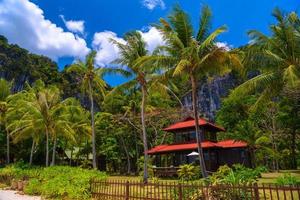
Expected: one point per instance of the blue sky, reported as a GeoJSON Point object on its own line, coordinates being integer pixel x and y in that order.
{"type": "Point", "coordinates": [38, 25]}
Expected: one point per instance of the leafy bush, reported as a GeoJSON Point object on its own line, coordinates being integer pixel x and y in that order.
{"type": "Point", "coordinates": [140, 164]}
{"type": "Point", "coordinates": [287, 179]}
{"type": "Point", "coordinates": [58, 182]}
{"type": "Point", "coordinates": [20, 171]}
{"type": "Point", "coordinates": [236, 175]}
{"type": "Point", "coordinates": [188, 172]}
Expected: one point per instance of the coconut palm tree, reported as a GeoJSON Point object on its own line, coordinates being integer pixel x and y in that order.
{"type": "Point", "coordinates": [14, 122]}
{"type": "Point", "coordinates": [277, 57]}
{"type": "Point", "coordinates": [38, 110]}
{"type": "Point", "coordinates": [78, 118]}
{"type": "Point", "coordinates": [5, 90]}
{"type": "Point", "coordinates": [91, 81]}
{"type": "Point", "coordinates": [196, 56]}
{"type": "Point", "coordinates": [130, 53]}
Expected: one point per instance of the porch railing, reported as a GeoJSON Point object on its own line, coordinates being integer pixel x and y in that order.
{"type": "Point", "coordinates": [165, 171]}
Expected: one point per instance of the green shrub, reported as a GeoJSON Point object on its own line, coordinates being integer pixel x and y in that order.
{"type": "Point", "coordinates": [237, 175]}
{"type": "Point", "coordinates": [58, 182]}
{"type": "Point", "coordinates": [188, 172]}
{"type": "Point", "coordinates": [140, 164]}
{"type": "Point", "coordinates": [33, 187]}
{"type": "Point", "coordinates": [287, 179]}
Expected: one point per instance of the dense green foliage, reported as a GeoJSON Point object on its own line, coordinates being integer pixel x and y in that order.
{"type": "Point", "coordinates": [19, 65]}
{"type": "Point", "coordinates": [45, 111]}
{"type": "Point", "coordinates": [287, 179]}
{"type": "Point", "coordinates": [58, 182]}
{"type": "Point", "coordinates": [188, 172]}
{"type": "Point", "coordinates": [236, 175]}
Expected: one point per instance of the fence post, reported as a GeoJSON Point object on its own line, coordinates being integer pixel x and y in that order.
{"type": "Point", "coordinates": [256, 191]}
{"type": "Point", "coordinates": [180, 192]}
{"type": "Point", "coordinates": [127, 191]}
{"type": "Point", "coordinates": [91, 182]}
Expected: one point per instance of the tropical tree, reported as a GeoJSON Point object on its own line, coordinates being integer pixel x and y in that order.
{"type": "Point", "coordinates": [277, 57]}
{"type": "Point", "coordinates": [5, 90]}
{"type": "Point", "coordinates": [13, 117]}
{"type": "Point", "coordinates": [196, 56]}
{"type": "Point", "coordinates": [38, 110]}
{"type": "Point", "coordinates": [92, 82]}
{"type": "Point", "coordinates": [78, 118]}
{"type": "Point", "coordinates": [130, 53]}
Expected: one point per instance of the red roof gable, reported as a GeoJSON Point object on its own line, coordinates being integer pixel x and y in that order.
{"type": "Point", "coordinates": [190, 123]}
{"type": "Point", "coordinates": [193, 146]}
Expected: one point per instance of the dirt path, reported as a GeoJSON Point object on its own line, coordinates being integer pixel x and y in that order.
{"type": "Point", "coordinates": [12, 195]}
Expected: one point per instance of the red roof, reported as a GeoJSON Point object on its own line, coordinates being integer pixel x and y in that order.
{"type": "Point", "coordinates": [231, 144]}
{"type": "Point", "coordinates": [193, 146]}
{"type": "Point", "coordinates": [190, 123]}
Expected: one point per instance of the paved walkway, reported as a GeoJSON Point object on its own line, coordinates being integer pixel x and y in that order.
{"type": "Point", "coordinates": [12, 195]}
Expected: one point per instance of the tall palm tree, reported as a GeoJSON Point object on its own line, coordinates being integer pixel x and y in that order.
{"type": "Point", "coordinates": [277, 57]}
{"type": "Point", "coordinates": [38, 110]}
{"type": "Point", "coordinates": [5, 91]}
{"type": "Point", "coordinates": [196, 56]}
{"type": "Point", "coordinates": [15, 119]}
{"type": "Point", "coordinates": [78, 118]}
{"type": "Point", "coordinates": [92, 81]}
{"type": "Point", "coordinates": [130, 53]}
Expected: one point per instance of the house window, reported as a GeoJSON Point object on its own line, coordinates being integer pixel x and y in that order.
{"type": "Point", "coordinates": [206, 156]}
{"type": "Point", "coordinates": [243, 156]}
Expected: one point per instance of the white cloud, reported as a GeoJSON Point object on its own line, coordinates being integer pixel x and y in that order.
{"type": "Point", "coordinates": [224, 45]}
{"type": "Point", "coordinates": [74, 26]}
{"type": "Point", "coordinates": [108, 52]}
{"type": "Point", "coordinates": [23, 23]}
{"type": "Point", "coordinates": [151, 4]}
{"type": "Point", "coordinates": [153, 38]}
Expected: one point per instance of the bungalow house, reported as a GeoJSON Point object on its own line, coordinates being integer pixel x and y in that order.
{"type": "Point", "coordinates": [168, 157]}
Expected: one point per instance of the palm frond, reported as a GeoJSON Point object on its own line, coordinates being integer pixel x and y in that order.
{"type": "Point", "coordinates": [181, 24]}
{"type": "Point", "coordinates": [181, 67]}
{"type": "Point", "coordinates": [291, 75]}
{"type": "Point", "coordinates": [255, 84]}
{"type": "Point", "coordinates": [212, 37]}
{"type": "Point", "coordinates": [205, 23]}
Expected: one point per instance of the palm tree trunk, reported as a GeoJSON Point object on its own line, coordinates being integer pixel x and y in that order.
{"type": "Point", "coordinates": [71, 156]}
{"type": "Point", "coordinates": [31, 153]}
{"type": "Point", "coordinates": [198, 136]}
{"type": "Point", "coordinates": [144, 91]}
{"type": "Point", "coordinates": [47, 148]}
{"type": "Point", "coordinates": [252, 155]}
{"type": "Point", "coordinates": [293, 149]}
{"type": "Point", "coordinates": [127, 155]}
{"type": "Point", "coordinates": [7, 148]}
{"type": "Point", "coordinates": [93, 126]}
{"type": "Point", "coordinates": [53, 152]}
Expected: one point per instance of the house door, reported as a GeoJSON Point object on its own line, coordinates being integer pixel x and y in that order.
{"type": "Point", "coordinates": [213, 160]}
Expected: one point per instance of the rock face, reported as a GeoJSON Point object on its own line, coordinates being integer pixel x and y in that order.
{"type": "Point", "coordinates": [210, 94]}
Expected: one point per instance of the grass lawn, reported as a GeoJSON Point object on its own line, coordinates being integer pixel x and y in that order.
{"type": "Point", "coordinates": [166, 193]}
{"type": "Point", "coordinates": [271, 176]}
